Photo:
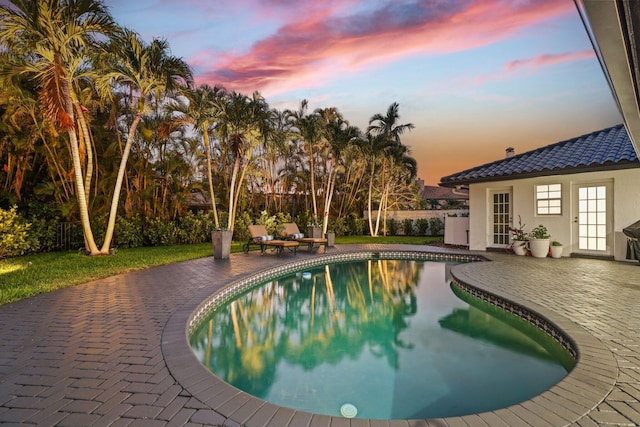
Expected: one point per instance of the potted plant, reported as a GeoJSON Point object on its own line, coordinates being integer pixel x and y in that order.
{"type": "Point", "coordinates": [539, 241]}
{"type": "Point", "coordinates": [314, 230]}
{"type": "Point", "coordinates": [519, 244]}
{"type": "Point", "coordinates": [556, 249]}
{"type": "Point", "coordinates": [221, 238]}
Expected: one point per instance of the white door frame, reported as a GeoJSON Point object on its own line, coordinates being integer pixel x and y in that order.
{"type": "Point", "coordinates": [592, 212]}
{"type": "Point", "coordinates": [500, 218]}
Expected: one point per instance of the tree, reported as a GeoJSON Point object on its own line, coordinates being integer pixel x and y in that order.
{"type": "Point", "coordinates": [51, 40]}
{"type": "Point", "coordinates": [307, 130]}
{"type": "Point", "coordinates": [383, 135]}
{"type": "Point", "coordinates": [201, 112]}
{"type": "Point", "coordinates": [240, 121]}
{"type": "Point", "coordinates": [147, 71]}
{"type": "Point", "coordinates": [337, 135]}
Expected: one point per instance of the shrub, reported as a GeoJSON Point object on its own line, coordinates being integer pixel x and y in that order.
{"type": "Point", "coordinates": [129, 232]}
{"type": "Point", "coordinates": [436, 226]}
{"type": "Point", "coordinates": [340, 226]}
{"type": "Point", "coordinates": [14, 234]}
{"type": "Point", "coordinates": [422, 225]}
{"type": "Point", "coordinates": [392, 227]}
{"type": "Point", "coordinates": [282, 218]}
{"type": "Point", "coordinates": [356, 225]}
{"type": "Point", "coordinates": [43, 231]}
{"type": "Point", "coordinates": [194, 228]}
{"type": "Point", "coordinates": [161, 233]}
{"type": "Point", "coordinates": [241, 228]}
{"type": "Point", "coordinates": [407, 227]}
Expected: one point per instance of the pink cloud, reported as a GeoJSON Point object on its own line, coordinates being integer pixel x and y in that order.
{"type": "Point", "coordinates": [314, 47]}
{"type": "Point", "coordinates": [546, 60]}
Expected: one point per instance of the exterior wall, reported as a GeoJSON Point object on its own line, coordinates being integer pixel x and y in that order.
{"type": "Point", "coordinates": [418, 214]}
{"type": "Point", "coordinates": [625, 207]}
{"type": "Point", "coordinates": [456, 230]}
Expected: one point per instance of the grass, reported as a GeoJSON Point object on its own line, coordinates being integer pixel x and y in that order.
{"type": "Point", "coordinates": [30, 275]}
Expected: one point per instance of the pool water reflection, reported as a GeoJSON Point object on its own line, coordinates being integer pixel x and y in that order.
{"type": "Point", "coordinates": [387, 337]}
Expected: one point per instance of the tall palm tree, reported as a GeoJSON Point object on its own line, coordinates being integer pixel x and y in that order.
{"type": "Point", "coordinates": [201, 112]}
{"type": "Point", "coordinates": [383, 135]}
{"type": "Point", "coordinates": [240, 122]}
{"type": "Point", "coordinates": [51, 40]}
{"type": "Point", "coordinates": [147, 71]}
{"type": "Point", "coordinates": [307, 129]}
{"type": "Point", "coordinates": [338, 134]}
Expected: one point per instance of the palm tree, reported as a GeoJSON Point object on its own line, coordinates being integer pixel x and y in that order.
{"type": "Point", "coordinates": [400, 170]}
{"type": "Point", "coordinates": [51, 40]}
{"type": "Point", "coordinates": [307, 130]}
{"type": "Point", "coordinates": [338, 134]}
{"type": "Point", "coordinates": [147, 71]}
{"type": "Point", "coordinates": [240, 122]}
{"type": "Point", "coordinates": [201, 112]}
{"type": "Point", "coordinates": [383, 135]}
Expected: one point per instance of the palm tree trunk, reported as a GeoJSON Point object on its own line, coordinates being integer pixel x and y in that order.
{"type": "Point", "coordinates": [232, 201]}
{"type": "Point", "coordinates": [116, 190]}
{"type": "Point", "coordinates": [86, 138]}
{"type": "Point", "coordinates": [90, 243]}
{"type": "Point", "coordinates": [210, 178]}
{"type": "Point", "coordinates": [372, 232]}
{"type": "Point", "coordinates": [327, 199]}
{"type": "Point", "coordinates": [312, 172]}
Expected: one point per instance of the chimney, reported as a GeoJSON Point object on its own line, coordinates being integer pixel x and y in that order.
{"type": "Point", "coordinates": [510, 152]}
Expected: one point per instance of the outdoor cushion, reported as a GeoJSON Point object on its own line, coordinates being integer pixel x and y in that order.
{"type": "Point", "coordinates": [265, 238]}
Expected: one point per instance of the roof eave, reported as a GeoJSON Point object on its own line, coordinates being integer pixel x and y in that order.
{"type": "Point", "coordinates": [614, 29]}
{"type": "Point", "coordinates": [546, 172]}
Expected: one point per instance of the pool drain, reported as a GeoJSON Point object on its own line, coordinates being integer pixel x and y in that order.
{"type": "Point", "coordinates": [348, 410]}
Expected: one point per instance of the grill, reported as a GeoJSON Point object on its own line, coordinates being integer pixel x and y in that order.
{"type": "Point", "coordinates": [633, 240]}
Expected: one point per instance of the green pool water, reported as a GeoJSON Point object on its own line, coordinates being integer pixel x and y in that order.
{"type": "Point", "coordinates": [382, 339]}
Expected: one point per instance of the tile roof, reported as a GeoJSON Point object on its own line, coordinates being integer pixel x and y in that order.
{"type": "Point", "coordinates": [609, 148]}
{"type": "Point", "coordinates": [443, 193]}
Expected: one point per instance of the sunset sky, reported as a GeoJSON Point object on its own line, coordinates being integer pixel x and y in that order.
{"type": "Point", "coordinates": [473, 76]}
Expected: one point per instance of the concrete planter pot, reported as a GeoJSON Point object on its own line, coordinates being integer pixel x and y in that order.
{"type": "Point", "coordinates": [519, 247]}
{"type": "Point", "coordinates": [331, 239]}
{"type": "Point", "coordinates": [221, 240]}
{"type": "Point", "coordinates": [315, 232]}
{"type": "Point", "coordinates": [556, 251]}
{"type": "Point", "coordinates": [539, 248]}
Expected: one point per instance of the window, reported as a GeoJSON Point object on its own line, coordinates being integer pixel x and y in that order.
{"type": "Point", "coordinates": [549, 199]}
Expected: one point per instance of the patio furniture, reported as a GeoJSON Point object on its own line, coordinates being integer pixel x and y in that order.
{"type": "Point", "coordinates": [259, 236]}
{"type": "Point", "coordinates": [292, 232]}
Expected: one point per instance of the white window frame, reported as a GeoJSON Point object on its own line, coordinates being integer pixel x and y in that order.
{"type": "Point", "coordinates": [548, 199]}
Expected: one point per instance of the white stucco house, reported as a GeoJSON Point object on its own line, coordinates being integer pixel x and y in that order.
{"type": "Point", "coordinates": [585, 190]}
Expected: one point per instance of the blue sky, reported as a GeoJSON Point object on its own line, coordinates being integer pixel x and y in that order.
{"type": "Point", "coordinates": [473, 76]}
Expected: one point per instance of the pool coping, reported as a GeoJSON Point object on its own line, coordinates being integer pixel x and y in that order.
{"type": "Point", "coordinates": [587, 385]}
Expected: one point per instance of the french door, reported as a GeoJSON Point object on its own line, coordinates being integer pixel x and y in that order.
{"type": "Point", "coordinates": [501, 217]}
{"type": "Point", "coordinates": [592, 218]}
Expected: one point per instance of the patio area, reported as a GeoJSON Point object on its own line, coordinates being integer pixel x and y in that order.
{"type": "Point", "coordinates": [111, 352]}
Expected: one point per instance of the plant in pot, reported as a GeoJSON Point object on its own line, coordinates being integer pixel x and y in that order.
{"type": "Point", "coordinates": [314, 230]}
{"type": "Point", "coordinates": [221, 240]}
{"type": "Point", "coordinates": [539, 241]}
{"type": "Point", "coordinates": [556, 249]}
{"type": "Point", "coordinates": [519, 238]}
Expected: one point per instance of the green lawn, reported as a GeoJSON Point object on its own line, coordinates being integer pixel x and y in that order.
{"type": "Point", "coordinates": [24, 277]}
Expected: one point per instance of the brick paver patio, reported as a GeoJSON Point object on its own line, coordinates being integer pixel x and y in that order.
{"type": "Point", "coordinates": [110, 352]}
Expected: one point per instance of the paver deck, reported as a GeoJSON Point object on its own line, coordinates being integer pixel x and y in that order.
{"type": "Point", "coordinates": [110, 352]}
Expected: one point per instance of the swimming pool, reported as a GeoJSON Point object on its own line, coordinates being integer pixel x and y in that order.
{"type": "Point", "coordinates": [404, 323]}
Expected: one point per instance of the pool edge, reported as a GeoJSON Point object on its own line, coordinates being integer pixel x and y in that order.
{"type": "Point", "coordinates": [564, 403]}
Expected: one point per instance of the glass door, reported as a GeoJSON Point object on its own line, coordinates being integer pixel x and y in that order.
{"type": "Point", "coordinates": [592, 219]}
{"type": "Point", "coordinates": [500, 218]}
